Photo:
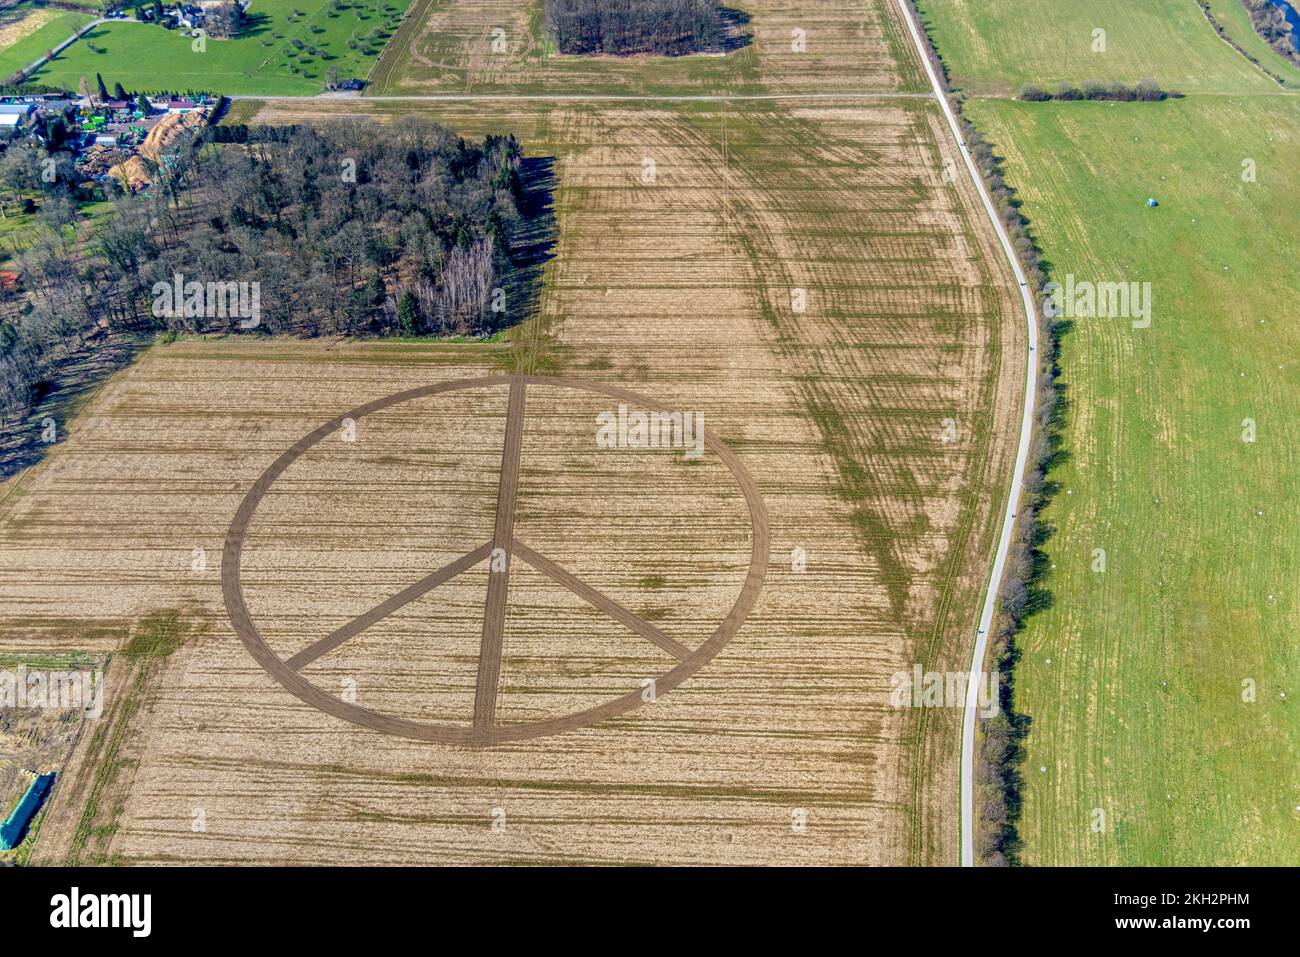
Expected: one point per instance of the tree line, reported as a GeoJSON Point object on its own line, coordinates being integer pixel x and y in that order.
{"type": "Point", "coordinates": [1025, 589]}
{"type": "Point", "coordinates": [1270, 22]}
{"type": "Point", "coordinates": [361, 230]}
{"type": "Point", "coordinates": [628, 27]}
{"type": "Point", "coordinates": [1145, 91]}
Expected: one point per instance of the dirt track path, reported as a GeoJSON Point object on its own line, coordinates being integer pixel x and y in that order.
{"type": "Point", "coordinates": [494, 612]}
{"type": "Point", "coordinates": [386, 608]}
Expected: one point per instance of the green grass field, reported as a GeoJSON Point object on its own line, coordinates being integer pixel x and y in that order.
{"type": "Point", "coordinates": [997, 46]}
{"type": "Point", "coordinates": [1137, 679]}
{"type": "Point", "coordinates": [1140, 709]}
{"type": "Point", "coordinates": [287, 50]}
{"type": "Point", "coordinates": [28, 49]}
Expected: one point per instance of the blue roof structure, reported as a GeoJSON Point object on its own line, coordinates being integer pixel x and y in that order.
{"type": "Point", "coordinates": [14, 829]}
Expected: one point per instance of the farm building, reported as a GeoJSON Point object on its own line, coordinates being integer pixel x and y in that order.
{"type": "Point", "coordinates": [14, 829]}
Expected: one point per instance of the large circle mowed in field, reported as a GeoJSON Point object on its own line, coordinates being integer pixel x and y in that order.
{"type": "Point", "coordinates": [485, 731]}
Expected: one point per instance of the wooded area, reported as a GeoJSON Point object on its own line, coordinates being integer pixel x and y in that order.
{"type": "Point", "coordinates": [627, 27]}
{"type": "Point", "coordinates": [361, 230]}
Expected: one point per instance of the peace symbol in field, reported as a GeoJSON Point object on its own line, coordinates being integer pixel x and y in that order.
{"type": "Point", "coordinates": [504, 549]}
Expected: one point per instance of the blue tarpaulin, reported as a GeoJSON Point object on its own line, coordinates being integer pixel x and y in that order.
{"type": "Point", "coordinates": [14, 829]}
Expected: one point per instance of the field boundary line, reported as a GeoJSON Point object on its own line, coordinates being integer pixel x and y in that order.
{"type": "Point", "coordinates": [594, 97]}
{"type": "Point", "coordinates": [979, 652]}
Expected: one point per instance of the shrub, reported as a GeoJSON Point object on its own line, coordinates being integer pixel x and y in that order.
{"type": "Point", "coordinates": [1146, 90]}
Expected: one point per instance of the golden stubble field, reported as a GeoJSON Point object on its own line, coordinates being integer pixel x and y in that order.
{"type": "Point", "coordinates": [784, 747]}
{"type": "Point", "coordinates": [789, 46]}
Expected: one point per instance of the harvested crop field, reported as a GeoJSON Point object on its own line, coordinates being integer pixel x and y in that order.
{"type": "Point", "coordinates": [802, 277]}
{"type": "Point", "coordinates": [502, 46]}
{"type": "Point", "coordinates": [17, 23]}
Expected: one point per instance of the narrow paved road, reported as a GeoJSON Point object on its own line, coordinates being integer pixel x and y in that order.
{"type": "Point", "coordinates": [980, 651]}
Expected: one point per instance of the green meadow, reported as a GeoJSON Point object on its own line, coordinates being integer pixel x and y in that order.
{"type": "Point", "coordinates": [28, 49]}
{"type": "Point", "coordinates": [287, 49]}
{"type": "Point", "coordinates": [997, 46]}
{"type": "Point", "coordinates": [1138, 679]}
{"type": "Point", "coordinates": [1163, 684]}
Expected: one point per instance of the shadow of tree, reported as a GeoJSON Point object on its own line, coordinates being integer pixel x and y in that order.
{"type": "Point", "coordinates": [22, 442]}
{"type": "Point", "coordinates": [735, 25]}
{"type": "Point", "coordinates": [534, 238]}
